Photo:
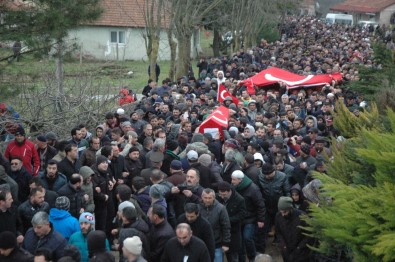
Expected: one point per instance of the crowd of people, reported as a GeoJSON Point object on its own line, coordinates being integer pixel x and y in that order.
{"type": "Point", "coordinates": [148, 184]}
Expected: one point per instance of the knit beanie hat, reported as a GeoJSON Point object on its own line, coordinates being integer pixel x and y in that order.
{"type": "Point", "coordinates": [156, 191]}
{"type": "Point", "coordinates": [125, 204]}
{"type": "Point", "coordinates": [133, 245]}
{"type": "Point", "coordinates": [62, 203]}
{"type": "Point", "coordinates": [100, 159]}
{"type": "Point", "coordinates": [284, 203]}
{"type": "Point", "coordinates": [7, 240]}
{"type": "Point", "coordinates": [205, 159]}
{"type": "Point", "coordinates": [87, 217]}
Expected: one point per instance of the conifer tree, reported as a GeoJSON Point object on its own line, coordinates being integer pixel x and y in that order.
{"type": "Point", "coordinates": [361, 184]}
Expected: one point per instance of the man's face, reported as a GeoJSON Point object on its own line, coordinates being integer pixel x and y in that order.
{"type": "Point", "coordinates": [208, 199]}
{"type": "Point", "coordinates": [42, 230]}
{"type": "Point", "coordinates": [16, 165]}
{"type": "Point", "coordinates": [51, 171]}
{"type": "Point", "coordinates": [99, 133]}
{"type": "Point", "coordinates": [134, 155]}
{"type": "Point", "coordinates": [135, 116]}
{"type": "Point", "coordinates": [277, 134]}
{"type": "Point", "coordinates": [148, 130]}
{"type": "Point", "coordinates": [19, 138]}
{"type": "Point", "coordinates": [247, 133]}
{"type": "Point", "coordinates": [85, 227]}
{"type": "Point", "coordinates": [115, 136]}
{"type": "Point", "coordinates": [165, 108]}
{"type": "Point", "coordinates": [162, 135]}
{"type": "Point", "coordinates": [270, 176]}
{"type": "Point", "coordinates": [183, 236]}
{"type": "Point", "coordinates": [7, 202]}
{"type": "Point", "coordinates": [176, 113]}
{"type": "Point", "coordinates": [285, 213]}
{"type": "Point", "coordinates": [297, 125]}
{"type": "Point", "coordinates": [319, 147]}
{"type": "Point", "coordinates": [295, 196]}
{"type": "Point", "coordinates": [260, 132]}
{"type": "Point", "coordinates": [84, 131]}
{"type": "Point", "coordinates": [38, 198]}
{"type": "Point", "coordinates": [78, 135]}
{"type": "Point", "coordinates": [191, 217]}
{"type": "Point", "coordinates": [225, 195]}
{"type": "Point", "coordinates": [310, 123]}
{"type": "Point", "coordinates": [192, 178]}
{"type": "Point", "coordinates": [115, 150]}
{"type": "Point", "coordinates": [73, 154]}
{"type": "Point", "coordinates": [188, 127]}
{"type": "Point", "coordinates": [259, 118]}
{"type": "Point", "coordinates": [154, 121]}
{"type": "Point", "coordinates": [41, 145]}
{"type": "Point", "coordinates": [95, 143]}
{"type": "Point", "coordinates": [103, 166]}
{"type": "Point", "coordinates": [236, 181]}
{"type": "Point", "coordinates": [280, 166]}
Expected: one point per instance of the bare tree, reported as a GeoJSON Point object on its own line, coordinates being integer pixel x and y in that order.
{"type": "Point", "coordinates": [187, 16]}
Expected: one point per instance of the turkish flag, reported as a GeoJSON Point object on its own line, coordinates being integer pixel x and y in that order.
{"type": "Point", "coordinates": [276, 75]}
{"type": "Point", "coordinates": [214, 123]}
{"type": "Point", "coordinates": [250, 86]}
{"type": "Point", "coordinates": [223, 93]}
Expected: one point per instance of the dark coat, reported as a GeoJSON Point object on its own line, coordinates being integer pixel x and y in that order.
{"type": "Point", "coordinates": [255, 205]}
{"type": "Point", "coordinates": [273, 189]}
{"type": "Point", "coordinates": [26, 212]}
{"type": "Point", "coordinates": [18, 255]}
{"type": "Point", "coordinates": [236, 208]}
{"type": "Point", "coordinates": [179, 200]}
{"type": "Point", "coordinates": [67, 168]}
{"type": "Point", "coordinates": [252, 172]}
{"type": "Point", "coordinates": [60, 181]}
{"type": "Point", "coordinates": [291, 236]}
{"type": "Point", "coordinates": [22, 178]}
{"type": "Point", "coordinates": [10, 221]}
{"type": "Point", "coordinates": [53, 241]}
{"type": "Point", "coordinates": [227, 170]}
{"type": "Point", "coordinates": [76, 198]}
{"type": "Point", "coordinates": [158, 236]}
{"type": "Point", "coordinates": [207, 178]}
{"type": "Point", "coordinates": [195, 250]}
{"type": "Point", "coordinates": [133, 167]}
{"type": "Point", "coordinates": [201, 228]}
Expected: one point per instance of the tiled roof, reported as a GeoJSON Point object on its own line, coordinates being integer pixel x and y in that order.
{"type": "Point", "coordinates": [122, 13]}
{"type": "Point", "coordinates": [363, 6]}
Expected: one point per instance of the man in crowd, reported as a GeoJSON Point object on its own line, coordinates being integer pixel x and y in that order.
{"type": "Point", "coordinates": [51, 178]}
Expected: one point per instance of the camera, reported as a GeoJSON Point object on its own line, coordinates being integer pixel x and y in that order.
{"type": "Point", "coordinates": [182, 188]}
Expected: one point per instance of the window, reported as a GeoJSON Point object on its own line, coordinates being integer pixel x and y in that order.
{"type": "Point", "coordinates": [118, 37]}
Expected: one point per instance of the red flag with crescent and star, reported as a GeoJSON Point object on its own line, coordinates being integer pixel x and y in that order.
{"type": "Point", "coordinates": [214, 123]}
{"type": "Point", "coordinates": [223, 93]}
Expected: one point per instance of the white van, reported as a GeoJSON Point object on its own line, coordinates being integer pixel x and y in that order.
{"type": "Point", "coordinates": [365, 24]}
{"type": "Point", "coordinates": [343, 19]}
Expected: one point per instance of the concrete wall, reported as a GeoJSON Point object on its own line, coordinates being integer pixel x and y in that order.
{"type": "Point", "coordinates": [95, 43]}
{"type": "Point", "coordinates": [385, 15]}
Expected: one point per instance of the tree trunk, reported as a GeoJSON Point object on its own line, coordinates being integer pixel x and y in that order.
{"type": "Point", "coordinates": [173, 54]}
{"type": "Point", "coordinates": [184, 54]}
{"type": "Point", "coordinates": [236, 40]}
{"type": "Point", "coordinates": [216, 42]}
{"type": "Point", "coordinates": [154, 56]}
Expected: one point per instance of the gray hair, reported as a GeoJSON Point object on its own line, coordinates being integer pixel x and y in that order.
{"type": "Point", "coordinates": [230, 154]}
{"type": "Point", "coordinates": [40, 218]}
{"type": "Point", "coordinates": [158, 144]}
{"type": "Point", "coordinates": [263, 258]}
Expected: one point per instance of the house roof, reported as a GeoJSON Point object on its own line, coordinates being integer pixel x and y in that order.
{"type": "Point", "coordinates": [122, 13]}
{"type": "Point", "coordinates": [363, 6]}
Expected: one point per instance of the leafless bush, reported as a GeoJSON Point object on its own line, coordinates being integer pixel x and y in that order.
{"type": "Point", "coordinates": [42, 108]}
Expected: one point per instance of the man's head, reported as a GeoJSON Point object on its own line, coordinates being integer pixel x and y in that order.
{"type": "Point", "coordinates": [132, 247]}
{"type": "Point", "coordinates": [191, 212]}
{"type": "Point", "coordinates": [41, 225]}
{"type": "Point", "coordinates": [184, 234]}
{"type": "Point", "coordinates": [268, 171]}
{"type": "Point", "coordinates": [237, 177]}
{"type": "Point", "coordinates": [87, 223]}
{"type": "Point", "coordinates": [208, 197]}
{"type": "Point", "coordinates": [71, 151]}
{"type": "Point", "coordinates": [16, 164]}
{"type": "Point", "coordinates": [41, 142]}
{"type": "Point", "coordinates": [224, 190]}
{"type": "Point", "coordinates": [76, 134]}
{"type": "Point", "coordinates": [285, 206]}
{"type": "Point", "coordinates": [5, 197]}
{"type": "Point", "coordinates": [134, 153]}
{"type": "Point", "coordinates": [62, 203]}
{"type": "Point", "coordinates": [76, 181]}
{"type": "Point", "coordinates": [193, 177]}
{"type": "Point", "coordinates": [95, 143]}
{"type": "Point", "coordinates": [20, 135]}
{"type": "Point", "coordinates": [37, 196]}
{"type": "Point", "coordinates": [52, 169]}
{"type": "Point", "coordinates": [7, 243]}
{"type": "Point", "coordinates": [43, 254]}
{"type": "Point", "coordinates": [157, 214]}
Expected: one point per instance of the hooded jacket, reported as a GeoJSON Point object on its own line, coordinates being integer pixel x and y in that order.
{"type": "Point", "coordinates": [63, 222]}
{"type": "Point", "coordinates": [27, 152]}
{"type": "Point", "coordinates": [60, 180]}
